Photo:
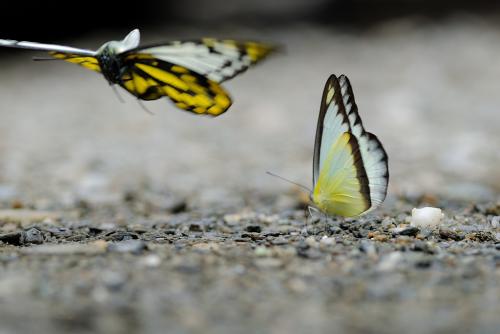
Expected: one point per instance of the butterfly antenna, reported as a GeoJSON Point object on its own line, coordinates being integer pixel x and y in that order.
{"type": "Point", "coordinates": [120, 98]}
{"type": "Point", "coordinates": [289, 181]}
{"type": "Point", "coordinates": [44, 58]}
{"type": "Point", "coordinates": [144, 107]}
{"type": "Point", "coordinates": [52, 58]}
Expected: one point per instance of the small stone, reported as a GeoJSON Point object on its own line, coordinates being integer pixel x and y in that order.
{"type": "Point", "coordinates": [407, 230]}
{"type": "Point", "coordinates": [311, 242]}
{"type": "Point", "coordinates": [279, 241]}
{"type": "Point", "coordinates": [448, 234]}
{"type": "Point", "coordinates": [232, 219]}
{"type": "Point", "coordinates": [11, 238]}
{"type": "Point", "coordinates": [388, 222]}
{"type": "Point", "coordinates": [426, 216]}
{"type": "Point", "coordinates": [327, 241]}
{"type": "Point", "coordinates": [206, 246]}
{"type": "Point", "coordinates": [262, 251]}
{"type": "Point", "coordinates": [425, 247]}
{"type": "Point", "coordinates": [368, 247]}
{"type": "Point", "coordinates": [17, 204]}
{"type": "Point", "coordinates": [121, 236]}
{"type": "Point", "coordinates": [268, 263]}
{"type": "Point", "coordinates": [128, 246]}
{"type": "Point", "coordinates": [253, 228]}
{"type": "Point", "coordinates": [59, 231]}
{"type": "Point", "coordinates": [381, 237]}
{"type": "Point", "coordinates": [113, 280]}
{"type": "Point", "coordinates": [495, 221]}
{"type": "Point", "coordinates": [151, 261]}
{"type": "Point", "coordinates": [195, 228]}
{"type": "Point", "coordinates": [31, 236]}
{"type": "Point", "coordinates": [390, 261]}
{"type": "Point", "coordinates": [481, 236]}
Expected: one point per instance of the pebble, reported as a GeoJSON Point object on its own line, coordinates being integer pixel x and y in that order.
{"type": "Point", "coordinates": [31, 236]}
{"type": "Point", "coordinates": [262, 251]}
{"type": "Point", "coordinates": [406, 230]}
{"type": "Point", "coordinates": [195, 228]}
{"type": "Point", "coordinates": [206, 246]}
{"type": "Point", "coordinates": [390, 262]}
{"type": "Point", "coordinates": [448, 234]}
{"type": "Point", "coordinates": [268, 262]}
{"type": "Point", "coordinates": [279, 241]}
{"type": "Point", "coordinates": [368, 247]}
{"type": "Point", "coordinates": [495, 221]}
{"type": "Point", "coordinates": [327, 241]}
{"type": "Point", "coordinates": [150, 261]}
{"type": "Point", "coordinates": [426, 216]}
{"type": "Point", "coordinates": [128, 246]}
{"type": "Point", "coordinates": [311, 242]}
{"type": "Point", "coordinates": [253, 228]}
{"type": "Point", "coordinates": [113, 280]}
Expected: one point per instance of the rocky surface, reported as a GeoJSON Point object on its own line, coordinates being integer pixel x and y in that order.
{"type": "Point", "coordinates": [248, 272]}
{"type": "Point", "coordinates": [114, 221]}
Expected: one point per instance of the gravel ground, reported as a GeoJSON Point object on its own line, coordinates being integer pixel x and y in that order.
{"type": "Point", "coordinates": [113, 220]}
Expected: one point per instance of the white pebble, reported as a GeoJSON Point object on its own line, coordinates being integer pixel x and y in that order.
{"type": "Point", "coordinates": [151, 261]}
{"type": "Point", "coordinates": [390, 261]}
{"type": "Point", "coordinates": [495, 221]}
{"type": "Point", "coordinates": [426, 217]}
{"type": "Point", "coordinates": [327, 241]}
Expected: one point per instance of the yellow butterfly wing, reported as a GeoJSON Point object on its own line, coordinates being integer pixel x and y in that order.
{"type": "Point", "coordinates": [218, 60]}
{"type": "Point", "coordinates": [149, 78]}
{"type": "Point", "coordinates": [350, 169]}
{"type": "Point", "coordinates": [89, 62]}
{"type": "Point", "coordinates": [373, 153]}
{"type": "Point", "coordinates": [342, 186]}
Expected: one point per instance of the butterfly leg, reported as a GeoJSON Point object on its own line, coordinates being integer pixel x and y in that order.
{"type": "Point", "coordinates": [144, 107]}
{"type": "Point", "coordinates": [120, 98]}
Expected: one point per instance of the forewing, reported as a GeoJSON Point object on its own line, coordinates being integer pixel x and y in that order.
{"type": "Point", "coordinates": [88, 62]}
{"type": "Point", "coordinates": [342, 187]}
{"type": "Point", "coordinates": [374, 156]}
{"type": "Point", "coordinates": [219, 60]}
{"type": "Point", "coordinates": [149, 78]}
{"type": "Point", "coordinates": [332, 123]}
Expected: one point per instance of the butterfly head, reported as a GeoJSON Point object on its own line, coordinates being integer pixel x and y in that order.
{"type": "Point", "coordinates": [108, 56]}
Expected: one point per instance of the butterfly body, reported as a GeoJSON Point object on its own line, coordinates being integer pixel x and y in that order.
{"type": "Point", "coordinates": [350, 169]}
{"type": "Point", "coordinates": [187, 72]}
{"type": "Point", "coordinates": [111, 66]}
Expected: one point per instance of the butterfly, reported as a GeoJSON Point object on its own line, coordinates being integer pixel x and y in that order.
{"type": "Point", "coordinates": [187, 72]}
{"type": "Point", "coordinates": [350, 166]}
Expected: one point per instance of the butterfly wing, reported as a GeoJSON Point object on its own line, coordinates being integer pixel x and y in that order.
{"type": "Point", "coordinates": [332, 123]}
{"type": "Point", "coordinates": [342, 187]}
{"type": "Point", "coordinates": [89, 62]}
{"type": "Point", "coordinates": [350, 169]}
{"type": "Point", "coordinates": [218, 60]}
{"type": "Point", "coordinates": [340, 181]}
{"type": "Point", "coordinates": [149, 78]}
{"type": "Point", "coordinates": [374, 156]}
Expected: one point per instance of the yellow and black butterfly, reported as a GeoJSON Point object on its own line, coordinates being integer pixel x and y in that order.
{"type": "Point", "coordinates": [350, 168]}
{"type": "Point", "coordinates": [188, 72]}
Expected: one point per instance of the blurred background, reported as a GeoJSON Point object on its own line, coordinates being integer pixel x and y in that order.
{"type": "Point", "coordinates": [425, 76]}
